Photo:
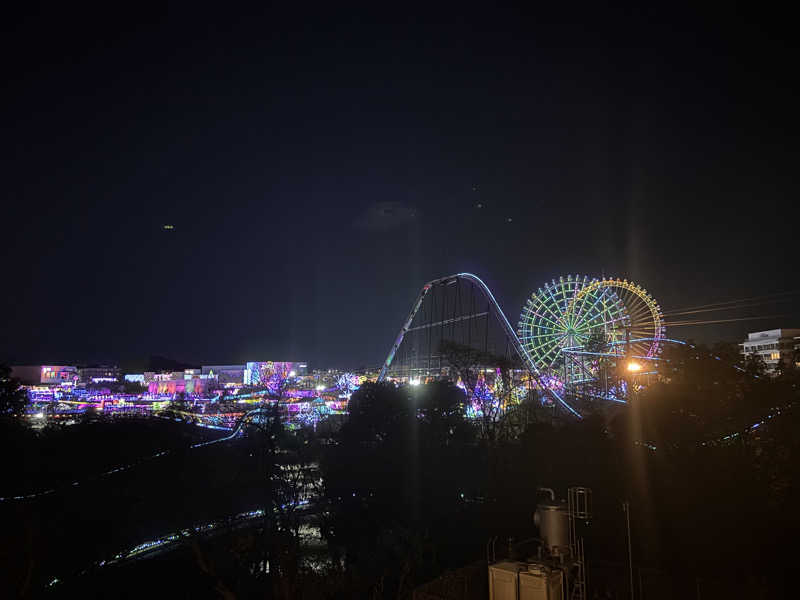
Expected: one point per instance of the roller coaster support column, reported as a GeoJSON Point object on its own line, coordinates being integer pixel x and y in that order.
{"type": "Point", "coordinates": [399, 340]}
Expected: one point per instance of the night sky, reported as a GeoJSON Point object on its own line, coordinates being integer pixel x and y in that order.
{"type": "Point", "coordinates": [318, 167]}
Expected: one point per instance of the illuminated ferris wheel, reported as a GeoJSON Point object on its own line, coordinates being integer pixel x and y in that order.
{"type": "Point", "coordinates": [577, 314]}
{"type": "Point", "coordinates": [643, 326]}
{"type": "Point", "coordinates": [566, 314]}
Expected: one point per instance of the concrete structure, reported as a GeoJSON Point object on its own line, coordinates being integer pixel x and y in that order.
{"type": "Point", "coordinates": [772, 345]}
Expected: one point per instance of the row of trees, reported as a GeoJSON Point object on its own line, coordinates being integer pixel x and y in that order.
{"type": "Point", "coordinates": [706, 456]}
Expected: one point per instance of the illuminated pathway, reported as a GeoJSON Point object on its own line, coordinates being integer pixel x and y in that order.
{"type": "Point", "coordinates": [169, 541]}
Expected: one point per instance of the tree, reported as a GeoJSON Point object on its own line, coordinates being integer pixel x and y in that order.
{"type": "Point", "coordinates": [492, 398]}
{"type": "Point", "coordinates": [90, 414]}
{"type": "Point", "coordinates": [754, 365]}
{"type": "Point", "coordinates": [465, 363]}
{"type": "Point", "coordinates": [440, 413]}
{"type": "Point", "coordinates": [714, 431]}
{"type": "Point", "coordinates": [178, 402]}
{"type": "Point", "coordinates": [13, 397]}
{"type": "Point", "coordinates": [728, 352]}
{"type": "Point", "coordinates": [395, 481]}
{"type": "Point", "coordinates": [287, 462]}
{"type": "Point", "coordinates": [781, 368]}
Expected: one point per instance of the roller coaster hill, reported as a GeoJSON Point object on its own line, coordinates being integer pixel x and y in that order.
{"type": "Point", "coordinates": [579, 344]}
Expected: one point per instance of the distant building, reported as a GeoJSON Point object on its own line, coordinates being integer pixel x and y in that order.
{"type": "Point", "coordinates": [98, 373]}
{"type": "Point", "coordinates": [225, 373]}
{"type": "Point", "coordinates": [45, 374]}
{"type": "Point", "coordinates": [189, 381]}
{"type": "Point", "coordinates": [772, 345]}
{"type": "Point", "coordinates": [150, 376]}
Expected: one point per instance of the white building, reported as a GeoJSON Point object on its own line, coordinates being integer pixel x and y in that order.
{"type": "Point", "coordinates": [773, 345]}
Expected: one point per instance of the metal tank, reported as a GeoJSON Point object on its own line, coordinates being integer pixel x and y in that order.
{"type": "Point", "coordinates": [552, 519]}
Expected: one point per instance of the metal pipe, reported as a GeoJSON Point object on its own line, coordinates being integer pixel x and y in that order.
{"type": "Point", "coordinates": [549, 491]}
{"type": "Point", "coordinates": [627, 508]}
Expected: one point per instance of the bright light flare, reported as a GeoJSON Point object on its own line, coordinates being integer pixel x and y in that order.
{"type": "Point", "coordinates": [633, 366]}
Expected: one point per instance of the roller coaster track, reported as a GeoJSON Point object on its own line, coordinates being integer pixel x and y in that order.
{"type": "Point", "coordinates": [511, 335]}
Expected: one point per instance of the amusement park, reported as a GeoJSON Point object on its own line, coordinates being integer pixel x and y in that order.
{"type": "Point", "coordinates": [394, 302]}
{"type": "Point", "coordinates": [581, 345]}
{"type": "Point", "coordinates": [465, 385]}
{"type": "Point", "coordinates": [579, 341]}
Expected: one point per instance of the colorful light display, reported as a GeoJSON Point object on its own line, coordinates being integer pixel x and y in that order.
{"type": "Point", "coordinates": [268, 372]}
{"type": "Point", "coordinates": [347, 383]}
{"type": "Point", "coordinates": [570, 325]}
{"type": "Point", "coordinates": [564, 314]}
{"type": "Point", "coordinates": [58, 374]}
{"type": "Point", "coordinates": [644, 322]}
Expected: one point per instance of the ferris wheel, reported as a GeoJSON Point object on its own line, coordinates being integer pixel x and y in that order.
{"type": "Point", "coordinates": [574, 313]}
{"type": "Point", "coordinates": [566, 314]}
{"type": "Point", "coordinates": [643, 325]}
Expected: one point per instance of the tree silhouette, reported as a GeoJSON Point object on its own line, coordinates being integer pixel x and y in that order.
{"type": "Point", "coordinates": [13, 397]}
{"type": "Point", "coordinates": [754, 365]}
{"type": "Point", "coordinates": [493, 397]}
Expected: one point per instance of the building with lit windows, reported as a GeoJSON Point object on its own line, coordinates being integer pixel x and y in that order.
{"type": "Point", "coordinates": [98, 373]}
{"type": "Point", "coordinates": [772, 345]}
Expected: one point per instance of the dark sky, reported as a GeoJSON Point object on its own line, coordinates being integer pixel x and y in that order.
{"type": "Point", "coordinates": [318, 167]}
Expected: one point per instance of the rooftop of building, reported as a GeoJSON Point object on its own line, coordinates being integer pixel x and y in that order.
{"type": "Point", "coordinates": [772, 334]}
